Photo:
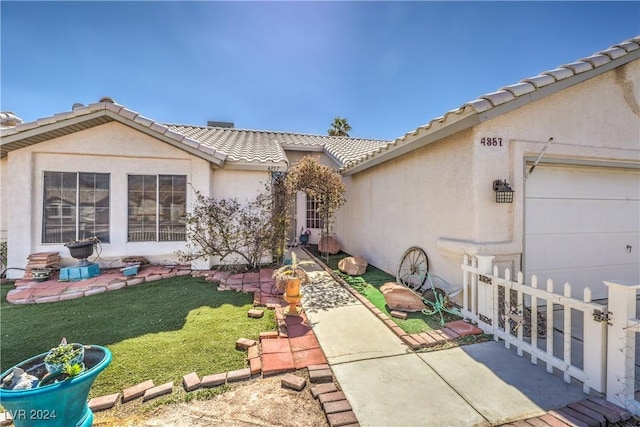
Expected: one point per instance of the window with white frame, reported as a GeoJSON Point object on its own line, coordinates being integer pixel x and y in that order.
{"type": "Point", "coordinates": [75, 206]}
{"type": "Point", "coordinates": [313, 215]}
{"type": "Point", "coordinates": [157, 204]}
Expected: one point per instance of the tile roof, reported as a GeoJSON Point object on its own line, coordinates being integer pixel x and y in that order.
{"type": "Point", "coordinates": [84, 117]}
{"type": "Point", "coordinates": [491, 104]}
{"type": "Point", "coordinates": [219, 145]}
{"type": "Point", "coordinates": [243, 145]}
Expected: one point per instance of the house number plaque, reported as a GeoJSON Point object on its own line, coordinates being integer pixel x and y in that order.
{"type": "Point", "coordinates": [491, 142]}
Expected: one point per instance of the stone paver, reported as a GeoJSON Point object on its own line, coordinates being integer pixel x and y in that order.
{"type": "Point", "coordinates": [275, 363]}
{"type": "Point", "coordinates": [341, 419]}
{"type": "Point", "coordinates": [319, 389]}
{"type": "Point", "coordinates": [116, 286]}
{"type": "Point", "coordinates": [213, 380]}
{"type": "Point", "coordinates": [463, 328]}
{"type": "Point", "coordinates": [255, 366]}
{"type": "Point", "coordinates": [280, 345]}
{"type": "Point", "coordinates": [42, 300]}
{"type": "Point", "coordinates": [157, 391]}
{"type": "Point", "coordinates": [317, 367]}
{"type": "Point", "coordinates": [304, 342]}
{"type": "Point", "coordinates": [331, 397]}
{"type": "Point", "coordinates": [294, 382]}
{"type": "Point", "coordinates": [268, 335]}
{"type": "Point", "coordinates": [191, 381]}
{"type": "Point", "coordinates": [304, 358]}
{"type": "Point", "coordinates": [244, 343]}
{"type": "Point", "coordinates": [336, 406]}
{"type": "Point", "coordinates": [253, 352]}
{"type": "Point", "coordinates": [238, 375]}
{"type": "Point", "coordinates": [136, 391]}
{"type": "Point", "coordinates": [95, 291]}
{"type": "Point", "coordinates": [321, 376]}
{"type": "Point", "coordinates": [103, 402]}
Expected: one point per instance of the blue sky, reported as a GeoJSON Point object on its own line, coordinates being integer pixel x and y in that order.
{"type": "Point", "coordinates": [388, 67]}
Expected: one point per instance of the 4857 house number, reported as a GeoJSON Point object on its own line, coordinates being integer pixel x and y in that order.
{"type": "Point", "coordinates": [491, 142]}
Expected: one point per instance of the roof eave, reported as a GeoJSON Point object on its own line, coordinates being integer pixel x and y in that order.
{"type": "Point", "coordinates": [195, 148]}
{"type": "Point", "coordinates": [11, 141]}
{"type": "Point", "coordinates": [435, 134]}
{"type": "Point", "coordinates": [419, 140]}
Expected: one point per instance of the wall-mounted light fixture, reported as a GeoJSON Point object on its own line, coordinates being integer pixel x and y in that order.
{"type": "Point", "coordinates": [504, 193]}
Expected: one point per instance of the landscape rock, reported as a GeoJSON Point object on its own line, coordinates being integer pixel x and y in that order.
{"type": "Point", "coordinates": [353, 265]}
{"type": "Point", "coordinates": [399, 297]}
{"type": "Point", "coordinates": [328, 245]}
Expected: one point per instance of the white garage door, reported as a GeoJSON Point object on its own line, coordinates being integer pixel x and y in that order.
{"type": "Point", "coordinates": [582, 226]}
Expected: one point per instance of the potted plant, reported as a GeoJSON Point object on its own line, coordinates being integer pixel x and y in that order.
{"type": "Point", "coordinates": [41, 274]}
{"type": "Point", "coordinates": [56, 399]}
{"type": "Point", "coordinates": [304, 237]}
{"type": "Point", "coordinates": [288, 278]}
{"type": "Point", "coordinates": [64, 354]}
{"type": "Point", "coordinates": [83, 248]}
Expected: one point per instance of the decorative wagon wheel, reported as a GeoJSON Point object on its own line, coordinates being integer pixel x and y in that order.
{"type": "Point", "coordinates": [413, 268]}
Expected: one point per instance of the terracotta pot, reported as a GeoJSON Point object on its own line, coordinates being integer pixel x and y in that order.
{"type": "Point", "coordinates": [292, 296]}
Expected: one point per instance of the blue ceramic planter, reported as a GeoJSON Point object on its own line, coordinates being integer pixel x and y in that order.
{"type": "Point", "coordinates": [62, 404]}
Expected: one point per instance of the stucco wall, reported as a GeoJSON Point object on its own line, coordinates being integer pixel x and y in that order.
{"type": "Point", "coordinates": [410, 201]}
{"type": "Point", "coordinates": [111, 148]}
{"type": "Point", "coordinates": [4, 200]}
{"type": "Point", "coordinates": [440, 197]}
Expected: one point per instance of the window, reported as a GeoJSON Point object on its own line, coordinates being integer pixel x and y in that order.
{"type": "Point", "coordinates": [313, 215]}
{"type": "Point", "coordinates": [76, 205]}
{"type": "Point", "coordinates": [157, 205]}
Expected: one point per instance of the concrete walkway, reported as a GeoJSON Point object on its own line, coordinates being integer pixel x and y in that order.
{"type": "Point", "coordinates": [388, 384]}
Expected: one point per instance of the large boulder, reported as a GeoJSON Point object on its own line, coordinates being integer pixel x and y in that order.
{"type": "Point", "coordinates": [328, 245]}
{"type": "Point", "coordinates": [399, 297]}
{"type": "Point", "coordinates": [353, 265]}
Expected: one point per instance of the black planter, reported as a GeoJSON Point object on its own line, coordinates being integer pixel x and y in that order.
{"type": "Point", "coordinates": [81, 250]}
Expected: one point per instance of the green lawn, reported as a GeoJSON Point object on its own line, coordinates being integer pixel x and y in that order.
{"type": "Point", "coordinates": [369, 285]}
{"type": "Point", "coordinates": [159, 330]}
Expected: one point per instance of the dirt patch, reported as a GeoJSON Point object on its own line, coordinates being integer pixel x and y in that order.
{"type": "Point", "coordinates": [259, 402]}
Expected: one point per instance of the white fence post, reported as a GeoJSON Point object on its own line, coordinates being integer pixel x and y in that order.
{"type": "Point", "coordinates": [595, 357]}
{"type": "Point", "coordinates": [621, 345]}
{"type": "Point", "coordinates": [485, 294]}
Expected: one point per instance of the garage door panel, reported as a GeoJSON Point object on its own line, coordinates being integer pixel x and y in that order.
{"type": "Point", "coordinates": [576, 182]}
{"type": "Point", "coordinates": [574, 251]}
{"type": "Point", "coordinates": [578, 224]}
{"type": "Point", "coordinates": [582, 215]}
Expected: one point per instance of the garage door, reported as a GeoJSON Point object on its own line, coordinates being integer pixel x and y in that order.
{"type": "Point", "coordinates": [582, 226]}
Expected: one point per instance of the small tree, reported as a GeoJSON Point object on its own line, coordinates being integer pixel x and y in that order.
{"type": "Point", "coordinates": [321, 182]}
{"type": "Point", "coordinates": [226, 227]}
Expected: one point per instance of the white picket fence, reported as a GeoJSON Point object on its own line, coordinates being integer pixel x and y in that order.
{"type": "Point", "coordinates": [541, 322]}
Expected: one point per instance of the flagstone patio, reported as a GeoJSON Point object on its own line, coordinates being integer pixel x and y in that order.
{"type": "Point", "coordinates": [53, 290]}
